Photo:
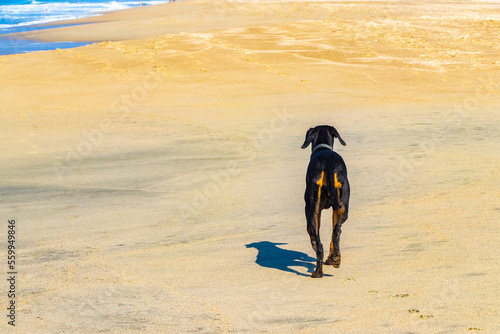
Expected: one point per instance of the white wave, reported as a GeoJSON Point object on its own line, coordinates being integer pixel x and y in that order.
{"type": "Point", "coordinates": [37, 13]}
{"type": "Point", "coordinates": [59, 7]}
{"type": "Point", "coordinates": [39, 21]}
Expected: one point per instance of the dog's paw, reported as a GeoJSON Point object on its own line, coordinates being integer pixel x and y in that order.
{"type": "Point", "coordinates": [317, 274]}
{"type": "Point", "coordinates": [333, 261]}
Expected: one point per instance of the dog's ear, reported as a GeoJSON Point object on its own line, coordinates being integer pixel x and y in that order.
{"type": "Point", "coordinates": [336, 134]}
{"type": "Point", "coordinates": [309, 138]}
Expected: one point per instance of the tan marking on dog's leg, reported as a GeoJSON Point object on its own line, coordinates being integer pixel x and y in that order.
{"type": "Point", "coordinates": [337, 184]}
{"type": "Point", "coordinates": [321, 181]}
{"type": "Point", "coordinates": [320, 184]}
{"type": "Point", "coordinates": [331, 249]}
{"type": "Point", "coordinates": [334, 220]}
{"type": "Point", "coordinates": [335, 217]}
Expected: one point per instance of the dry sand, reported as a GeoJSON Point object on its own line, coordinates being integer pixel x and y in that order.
{"type": "Point", "coordinates": [157, 183]}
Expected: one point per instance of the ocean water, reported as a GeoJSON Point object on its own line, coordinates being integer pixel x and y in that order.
{"type": "Point", "coordinates": [25, 15]}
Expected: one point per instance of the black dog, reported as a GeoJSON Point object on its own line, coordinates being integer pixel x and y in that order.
{"type": "Point", "coordinates": [326, 186]}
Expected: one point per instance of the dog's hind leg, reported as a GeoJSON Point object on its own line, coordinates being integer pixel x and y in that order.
{"type": "Point", "coordinates": [313, 215]}
{"type": "Point", "coordinates": [339, 216]}
{"type": "Point", "coordinates": [318, 248]}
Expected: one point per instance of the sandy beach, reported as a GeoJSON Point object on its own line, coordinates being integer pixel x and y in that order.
{"type": "Point", "coordinates": [156, 176]}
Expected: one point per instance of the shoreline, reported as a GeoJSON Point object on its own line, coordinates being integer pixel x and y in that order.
{"type": "Point", "coordinates": [160, 19]}
{"type": "Point", "coordinates": [152, 21]}
{"type": "Point", "coordinates": [16, 39]}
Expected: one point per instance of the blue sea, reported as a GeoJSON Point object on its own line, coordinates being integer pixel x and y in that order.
{"type": "Point", "coordinates": [25, 15]}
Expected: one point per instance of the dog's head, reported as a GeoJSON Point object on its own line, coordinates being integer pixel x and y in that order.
{"type": "Point", "coordinates": [322, 134]}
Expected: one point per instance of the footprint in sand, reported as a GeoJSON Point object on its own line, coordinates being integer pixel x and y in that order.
{"type": "Point", "coordinates": [401, 295]}
{"type": "Point", "coordinates": [422, 316]}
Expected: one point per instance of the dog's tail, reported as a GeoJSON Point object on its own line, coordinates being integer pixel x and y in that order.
{"type": "Point", "coordinates": [335, 183]}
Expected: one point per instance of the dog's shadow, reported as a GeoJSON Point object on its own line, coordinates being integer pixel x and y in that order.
{"type": "Point", "coordinates": [271, 256]}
